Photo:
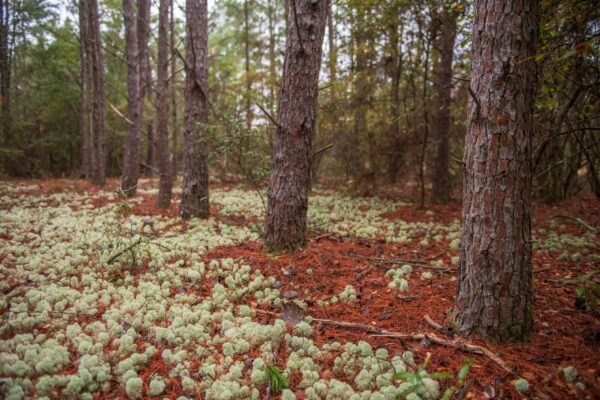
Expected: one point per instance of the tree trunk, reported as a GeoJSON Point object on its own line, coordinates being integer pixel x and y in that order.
{"type": "Point", "coordinates": [194, 195]}
{"type": "Point", "coordinates": [360, 100]}
{"type": "Point", "coordinates": [396, 71]}
{"type": "Point", "coordinates": [285, 225]}
{"type": "Point", "coordinates": [494, 297]}
{"type": "Point", "coordinates": [441, 188]}
{"type": "Point", "coordinates": [143, 32]}
{"type": "Point", "coordinates": [174, 95]}
{"type": "Point", "coordinates": [129, 179]}
{"type": "Point", "coordinates": [162, 109]}
{"type": "Point", "coordinates": [85, 89]}
{"type": "Point", "coordinates": [99, 143]}
{"type": "Point", "coordinates": [5, 70]}
{"type": "Point", "coordinates": [247, 65]}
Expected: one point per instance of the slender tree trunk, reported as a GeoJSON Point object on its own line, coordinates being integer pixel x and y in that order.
{"type": "Point", "coordinates": [5, 70]}
{"type": "Point", "coordinates": [272, 60]}
{"type": "Point", "coordinates": [162, 109]}
{"type": "Point", "coordinates": [441, 187]}
{"type": "Point", "coordinates": [99, 143]}
{"type": "Point", "coordinates": [396, 71]}
{"type": "Point", "coordinates": [151, 149]}
{"type": "Point", "coordinates": [360, 94]}
{"type": "Point", "coordinates": [494, 297]}
{"type": "Point", "coordinates": [430, 37]}
{"type": "Point", "coordinates": [285, 225]}
{"type": "Point", "coordinates": [85, 86]}
{"type": "Point", "coordinates": [143, 32]}
{"type": "Point", "coordinates": [194, 196]}
{"type": "Point", "coordinates": [174, 95]}
{"type": "Point", "coordinates": [129, 179]}
{"type": "Point", "coordinates": [249, 115]}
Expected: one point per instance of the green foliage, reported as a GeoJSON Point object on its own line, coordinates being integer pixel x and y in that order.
{"type": "Point", "coordinates": [588, 288]}
{"type": "Point", "coordinates": [277, 379]}
{"type": "Point", "coordinates": [460, 379]}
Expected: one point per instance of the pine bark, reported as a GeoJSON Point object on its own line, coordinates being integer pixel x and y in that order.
{"type": "Point", "coordinates": [5, 69]}
{"type": "Point", "coordinates": [249, 115]}
{"type": "Point", "coordinates": [162, 109]}
{"type": "Point", "coordinates": [396, 56]}
{"type": "Point", "coordinates": [98, 138]}
{"type": "Point", "coordinates": [129, 178]}
{"type": "Point", "coordinates": [285, 225]}
{"type": "Point", "coordinates": [143, 33]}
{"type": "Point", "coordinates": [85, 89]}
{"type": "Point", "coordinates": [195, 194]}
{"type": "Point", "coordinates": [173, 93]}
{"type": "Point", "coordinates": [494, 297]}
{"type": "Point", "coordinates": [441, 185]}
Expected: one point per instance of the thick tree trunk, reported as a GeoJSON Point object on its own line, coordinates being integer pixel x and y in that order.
{"type": "Point", "coordinates": [85, 89]}
{"type": "Point", "coordinates": [494, 297]}
{"type": "Point", "coordinates": [194, 195]}
{"type": "Point", "coordinates": [99, 143]}
{"type": "Point", "coordinates": [285, 225]}
{"type": "Point", "coordinates": [441, 187]}
{"type": "Point", "coordinates": [162, 109]}
{"type": "Point", "coordinates": [129, 178]}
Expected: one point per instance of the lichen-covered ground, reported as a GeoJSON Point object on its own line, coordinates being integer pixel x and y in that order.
{"type": "Point", "coordinates": [102, 297]}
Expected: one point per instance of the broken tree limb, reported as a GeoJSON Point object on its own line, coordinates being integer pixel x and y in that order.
{"type": "Point", "coordinates": [413, 262]}
{"type": "Point", "coordinates": [578, 221]}
{"type": "Point", "coordinates": [322, 149]}
{"type": "Point", "coordinates": [433, 338]}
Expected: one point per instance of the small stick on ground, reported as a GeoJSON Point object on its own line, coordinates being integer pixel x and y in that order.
{"type": "Point", "coordinates": [434, 324]}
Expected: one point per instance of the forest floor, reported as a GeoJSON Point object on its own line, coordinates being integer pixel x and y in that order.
{"type": "Point", "coordinates": [100, 295]}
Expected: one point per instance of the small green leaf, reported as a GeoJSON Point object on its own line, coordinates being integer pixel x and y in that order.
{"type": "Point", "coordinates": [440, 375]}
{"type": "Point", "coordinates": [462, 374]}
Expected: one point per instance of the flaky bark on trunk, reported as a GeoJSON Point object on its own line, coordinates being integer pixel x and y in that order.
{"type": "Point", "coordinates": [85, 89]}
{"type": "Point", "coordinates": [441, 188]}
{"type": "Point", "coordinates": [5, 70]}
{"type": "Point", "coordinates": [249, 115]}
{"type": "Point", "coordinates": [143, 32]}
{"type": "Point", "coordinates": [396, 55]}
{"type": "Point", "coordinates": [173, 93]}
{"type": "Point", "coordinates": [99, 142]}
{"type": "Point", "coordinates": [129, 178]}
{"type": "Point", "coordinates": [162, 109]}
{"type": "Point", "coordinates": [194, 195]}
{"type": "Point", "coordinates": [285, 225]}
{"type": "Point", "coordinates": [494, 297]}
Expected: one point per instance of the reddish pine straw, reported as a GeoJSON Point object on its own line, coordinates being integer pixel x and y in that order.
{"type": "Point", "coordinates": [558, 338]}
{"type": "Point", "coordinates": [562, 335]}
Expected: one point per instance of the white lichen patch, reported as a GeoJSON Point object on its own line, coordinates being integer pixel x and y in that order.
{"type": "Point", "coordinates": [92, 300]}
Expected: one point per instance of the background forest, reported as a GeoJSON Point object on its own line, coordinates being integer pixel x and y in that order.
{"type": "Point", "coordinates": [388, 67]}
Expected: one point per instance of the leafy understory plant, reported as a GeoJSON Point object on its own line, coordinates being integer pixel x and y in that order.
{"type": "Point", "coordinates": [587, 289]}
{"type": "Point", "coordinates": [276, 378]}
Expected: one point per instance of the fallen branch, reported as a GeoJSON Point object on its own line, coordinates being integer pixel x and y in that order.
{"type": "Point", "coordinates": [413, 262]}
{"type": "Point", "coordinates": [433, 338]}
{"type": "Point", "coordinates": [577, 221]}
{"type": "Point", "coordinates": [433, 324]}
